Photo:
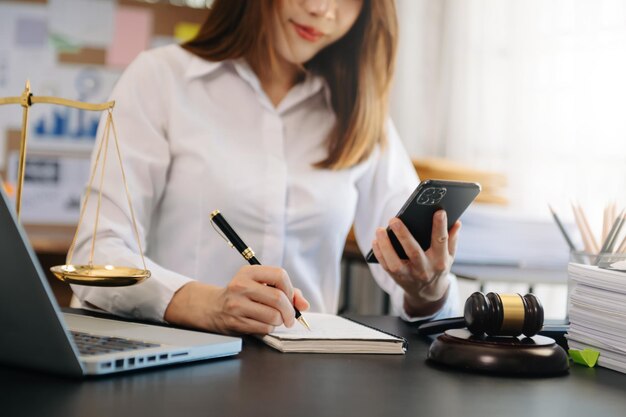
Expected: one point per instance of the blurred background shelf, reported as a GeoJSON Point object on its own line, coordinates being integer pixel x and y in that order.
{"type": "Point", "coordinates": [51, 243]}
{"type": "Point", "coordinates": [493, 184]}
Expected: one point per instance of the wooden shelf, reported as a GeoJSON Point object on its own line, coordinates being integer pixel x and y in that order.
{"type": "Point", "coordinates": [50, 239]}
{"type": "Point", "coordinates": [51, 243]}
{"type": "Point", "coordinates": [492, 183]}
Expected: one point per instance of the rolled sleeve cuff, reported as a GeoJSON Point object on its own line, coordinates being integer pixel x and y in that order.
{"type": "Point", "coordinates": [449, 309]}
{"type": "Point", "coordinates": [146, 301]}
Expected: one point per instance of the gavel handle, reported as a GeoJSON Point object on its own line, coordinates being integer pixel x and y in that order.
{"type": "Point", "coordinates": [439, 326]}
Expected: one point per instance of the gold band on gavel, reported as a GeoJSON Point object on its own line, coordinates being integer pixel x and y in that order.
{"type": "Point", "coordinates": [512, 313]}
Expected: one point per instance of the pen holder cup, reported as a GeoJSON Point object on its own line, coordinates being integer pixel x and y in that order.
{"type": "Point", "coordinates": [602, 260]}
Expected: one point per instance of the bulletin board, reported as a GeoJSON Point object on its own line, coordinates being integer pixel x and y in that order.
{"type": "Point", "coordinates": [75, 49]}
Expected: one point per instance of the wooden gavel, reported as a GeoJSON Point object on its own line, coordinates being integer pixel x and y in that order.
{"type": "Point", "coordinates": [494, 314]}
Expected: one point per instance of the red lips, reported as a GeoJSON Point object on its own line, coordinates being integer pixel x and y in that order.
{"type": "Point", "coordinates": [307, 32]}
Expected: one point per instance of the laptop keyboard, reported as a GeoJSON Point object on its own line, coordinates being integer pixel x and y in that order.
{"type": "Point", "coordinates": [89, 344]}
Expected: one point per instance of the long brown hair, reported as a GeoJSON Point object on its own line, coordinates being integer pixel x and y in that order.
{"type": "Point", "coordinates": [358, 67]}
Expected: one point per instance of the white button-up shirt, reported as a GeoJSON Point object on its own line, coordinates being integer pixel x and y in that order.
{"type": "Point", "coordinates": [196, 136]}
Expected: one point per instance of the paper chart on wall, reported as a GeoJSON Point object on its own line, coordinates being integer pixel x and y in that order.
{"type": "Point", "coordinates": [24, 54]}
{"type": "Point", "coordinates": [31, 32]}
{"type": "Point", "coordinates": [23, 35]}
{"type": "Point", "coordinates": [52, 188]}
{"type": "Point", "coordinates": [54, 124]}
{"type": "Point", "coordinates": [82, 22]}
{"type": "Point", "coordinates": [133, 29]}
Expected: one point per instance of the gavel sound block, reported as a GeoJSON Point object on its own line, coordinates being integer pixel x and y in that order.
{"type": "Point", "coordinates": [510, 345]}
{"type": "Point", "coordinates": [519, 355]}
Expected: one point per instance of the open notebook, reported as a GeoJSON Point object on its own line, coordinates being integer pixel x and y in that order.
{"type": "Point", "coordinates": [334, 334]}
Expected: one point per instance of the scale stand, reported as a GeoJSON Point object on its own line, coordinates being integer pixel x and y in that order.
{"type": "Point", "coordinates": [90, 274]}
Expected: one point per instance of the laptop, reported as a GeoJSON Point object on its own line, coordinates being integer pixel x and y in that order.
{"type": "Point", "coordinates": [36, 334]}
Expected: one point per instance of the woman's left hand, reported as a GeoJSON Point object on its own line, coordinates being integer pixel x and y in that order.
{"type": "Point", "coordinates": [424, 275]}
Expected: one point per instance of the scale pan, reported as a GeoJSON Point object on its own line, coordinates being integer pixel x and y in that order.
{"type": "Point", "coordinates": [100, 275]}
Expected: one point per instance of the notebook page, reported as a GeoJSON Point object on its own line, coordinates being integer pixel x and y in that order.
{"type": "Point", "coordinates": [329, 326]}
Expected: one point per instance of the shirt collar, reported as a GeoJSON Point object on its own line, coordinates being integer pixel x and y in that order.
{"type": "Point", "coordinates": [199, 67]}
{"type": "Point", "coordinates": [311, 85]}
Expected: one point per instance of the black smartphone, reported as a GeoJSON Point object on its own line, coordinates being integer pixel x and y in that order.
{"type": "Point", "coordinates": [417, 213]}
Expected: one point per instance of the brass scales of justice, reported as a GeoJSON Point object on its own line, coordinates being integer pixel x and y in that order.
{"type": "Point", "coordinates": [90, 274]}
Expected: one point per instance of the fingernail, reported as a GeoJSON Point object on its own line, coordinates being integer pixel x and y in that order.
{"type": "Point", "coordinates": [394, 224]}
{"type": "Point", "coordinates": [443, 216]}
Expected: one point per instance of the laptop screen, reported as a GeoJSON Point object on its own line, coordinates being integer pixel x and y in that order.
{"type": "Point", "coordinates": [33, 333]}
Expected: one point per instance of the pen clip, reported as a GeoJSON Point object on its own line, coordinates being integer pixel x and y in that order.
{"type": "Point", "coordinates": [220, 233]}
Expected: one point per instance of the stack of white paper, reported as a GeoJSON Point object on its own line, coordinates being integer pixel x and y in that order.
{"type": "Point", "coordinates": [598, 313]}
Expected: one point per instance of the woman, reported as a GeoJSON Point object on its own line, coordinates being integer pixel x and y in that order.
{"type": "Point", "coordinates": [275, 114]}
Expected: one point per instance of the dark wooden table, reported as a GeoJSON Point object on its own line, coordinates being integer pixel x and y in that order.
{"type": "Point", "coordinates": [263, 382]}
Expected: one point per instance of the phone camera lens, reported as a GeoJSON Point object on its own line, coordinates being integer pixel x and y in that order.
{"type": "Point", "coordinates": [431, 196]}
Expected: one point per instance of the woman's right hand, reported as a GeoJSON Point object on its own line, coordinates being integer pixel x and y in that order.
{"type": "Point", "coordinates": [255, 301]}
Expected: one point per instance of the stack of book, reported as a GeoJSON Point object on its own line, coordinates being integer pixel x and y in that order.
{"type": "Point", "coordinates": [597, 312]}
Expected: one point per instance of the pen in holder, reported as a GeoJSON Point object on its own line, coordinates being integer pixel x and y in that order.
{"type": "Point", "coordinates": [609, 249]}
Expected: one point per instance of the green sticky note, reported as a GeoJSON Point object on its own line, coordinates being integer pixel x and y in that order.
{"type": "Point", "coordinates": [61, 44]}
{"type": "Point", "coordinates": [587, 357]}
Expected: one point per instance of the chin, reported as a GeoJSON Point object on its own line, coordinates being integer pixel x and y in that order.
{"type": "Point", "coordinates": [302, 57]}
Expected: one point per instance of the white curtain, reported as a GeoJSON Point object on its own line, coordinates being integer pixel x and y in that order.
{"type": "Point", "coordinates": [532, 88]}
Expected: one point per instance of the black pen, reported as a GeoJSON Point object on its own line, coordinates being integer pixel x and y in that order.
{"type": "Point", "coordinates": [233, 239]}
